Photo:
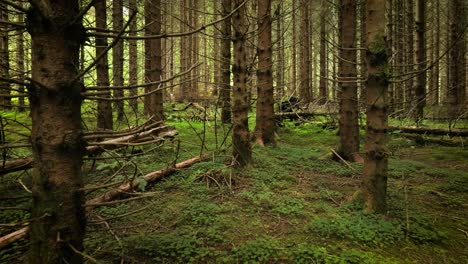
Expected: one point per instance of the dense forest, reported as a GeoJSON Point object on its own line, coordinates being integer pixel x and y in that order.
{"type": "Point", "coordinates": [233, 131]}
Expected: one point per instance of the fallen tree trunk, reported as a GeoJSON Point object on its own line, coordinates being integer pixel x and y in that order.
{"type": "Point", "coordinates": [431, 131]}
{"type": "Point", "coordinates": [421, 140]}
{"type": "Point", "coordinates": [296, 115]}
{"type": "Point", "coordinates": [151, 136]}
{"type": "Point", "coordinates": [12, 237]}
{"type": "Point", "coordinates": [114, 194]}
{"type": "Point", "coordinates": [149, 178]}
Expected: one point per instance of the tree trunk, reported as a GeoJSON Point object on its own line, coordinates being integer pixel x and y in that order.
{"type": "Point", "coordinates": [225, 86]}
{"type": "Point", "coordinates": [410, 99]}
{"type": "Point", "coordinates": [456, 91]}
{"type": "Point", "coordinates": [133, 56]}
{"type": "Point", "coordinates": [104, 107]}
{"type": "Point", "coordinates": [349, 128]}
{"type": "Point", "coordinates": [323, 87]}
{"type": "Point", "coordinates": [265, 119]}
{"type": "Point", "coordinates": [434, 88]}
{"type": "Point", "coordinates": [118, 57]}
{"type": "Point", "coordinates": [362, 53]}
{"type": "Point", "coordinates": [153, 62]}
{"type": "Point", "coordinates": [420, 62]}
{"type": "Point", "coordinates": [5, 99]}
{"type": "Point", "coordinates": [57, 233]}
{"type": "Point", "coordinates": [304, 51]}
{"type": "Point", "coordinates": [293, 78]}
{"type": "Point", "coordinates": [241, 149]}
{"type": "Point", "coordinates": [20, 60]}
{"type": "Point", "coordinates": [374, 187]}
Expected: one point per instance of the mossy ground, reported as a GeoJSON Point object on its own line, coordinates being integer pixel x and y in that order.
{"type": "Point", "coordinates": [292, 205]}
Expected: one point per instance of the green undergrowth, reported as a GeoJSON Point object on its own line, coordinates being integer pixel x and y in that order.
{"type": "Point", "coordinates": [292, 205]}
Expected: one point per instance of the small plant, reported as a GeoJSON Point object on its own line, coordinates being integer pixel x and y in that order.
{"type": "Point", "coordinates": [261, 250]}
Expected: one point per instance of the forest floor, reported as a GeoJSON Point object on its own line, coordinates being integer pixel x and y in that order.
{"type": "Point", "coordinates": [292, 205]}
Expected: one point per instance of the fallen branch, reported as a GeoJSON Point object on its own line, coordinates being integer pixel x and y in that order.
{"type": "Point", "coordinates": [16, 165]}
{"type": "Point", "coordinates": [12, 237]}
{"type": "Point", "coordinates": [431, 131]}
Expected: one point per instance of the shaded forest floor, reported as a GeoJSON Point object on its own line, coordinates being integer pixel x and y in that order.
{"type": "Point", "coordinates": [293, 205]}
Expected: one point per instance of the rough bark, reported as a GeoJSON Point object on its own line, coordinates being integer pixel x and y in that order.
{"type": "Point", "coordinates": [265, 119]}
{"type": "Point", "coordinates": [323, 86]}
{"type": "Point", "coordinates": [409, 93]}
{"type": "Point", "coordinates": [225, 65]}
{"type": "Point", "coordinates": [304, 54]}
{"type": "Point", "coordinates": [434, 88]}
{"type": "Point", "coordinates": [420, 62]}
{"type": "Point", "coordinates": [104, 107]}
{"type": "Point", "coordinates": [374, 186]}
{"type": "Point", "coordinates": [349, 128]}
{"type": "Point", "coordinates": [56, 139]}
{"type": "Point", "coordinates": [293, 78]}
{"type": "Point", "coordinates": [241, 148]}
{"type": "Point", "coordinates": [133, 56]}
{"type": "Point", "coordinates": [118, 58]}
{"type": "Point", "coordinates": [5, 99]}
{"type": "Point", "coordinates": [20, 60]}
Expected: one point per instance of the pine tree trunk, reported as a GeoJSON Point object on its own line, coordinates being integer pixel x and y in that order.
{"type": "Point", "coordinates": [133, 56]}
{"type": "Point", "coordinates": [434, 88]}
{"type": "Point", "coordinates": [349, 129]}
{"type": "Point", "coordinates": [5, 99]}
{"type": "Point", "coordinates": [374, 187]}
{"type": "Point", "coordinates": [293, 77]}
{"type": "Point", "coordinates": [104, 108]}
{"type": "Point", "coordinates": [225, 65]}
{"type": "Point", "coordinates": [118, 58]}
{"type": "Point", "coordinates": [410, 99]}
{"type": "Point", "coordinates": [323, 87]}
{"type": "Point", "coordinates": [241, 149]}
{"type": "Point", "coordinates": [420, 62]}
{"type": "Point", "coordinates": [56, 234]}
{"type": "Point", "coordinates": [265, 119]}
{"type": "Point", "coordinates": [304, 51]}
{"type": "Point", "coordinates": [20, 60]}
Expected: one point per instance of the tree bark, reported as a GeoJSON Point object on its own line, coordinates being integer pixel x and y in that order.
{"type": "Point", "coordinates": [104, 107]}
{"type": "Point", "coordinates": [420, 62]}
{"type": "Point", "coordinates": [265, 119]}
{"type": "Point", "coordinates": [118, 58]}
{"type": "Point", "coordinates": [133, 56]}
{"type": "Point", "coordinates": [20, 60]}
{"type": "Point", "coordinates": [293, 78]}
{"type": "Point", "coordinates": [57, 233]}
{"type": "Point", "coordinates": [5, 99]}
{"type": "Point", "coordinates": [241, 149]}
{"type": "Point", "coordinates": [225, 86]}
{"type": "Point", "coordinates": [349, 128]}
{"type": "Point", "coordinates": [374, 187]}
{"type": "Point", "coordinates": [323, 87]}
{"type": "Point", "coordinates": [304, 54]}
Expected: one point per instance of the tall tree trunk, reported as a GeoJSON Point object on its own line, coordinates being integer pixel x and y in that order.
{"type": "Point", "coordinates": [374, 187]}
{"type": "Point", "coordinates": [323, 87]}
{"type": "Point", "coordinates": [410, 99]}
{"type": "Point", "coordinates": [304, 51]}
{"type": "Point", "coordinates": [225, 86]}
{"type": "Point", "coordinates": [153, 62]}
{"type": "Point", "coordinates": [20, 60]}
{"type": "Point", "coordinates": [194, 48]}
{"type": "Point", "coordinates": [434, 87]}
{"type": "Point", "coordinates": [349, 129]}
{"type": "Point", "coordinates": [398, 98]}
{"type": "Point", "coordinates": [420, 62]}
{"type": "Point", "coordinates": [456, 91]}
{"type": "Point", "coordinates": [56, 234]}
{"type": "Point", "coordinates": [133, 56]}
{"type": "Point", "coordinates": [265, 119]}
{"type": "Point", "coordinates": [362, 53]}
{"type": "Point", "coordinates": [104, 108]}
{"type": "Point", "coordinates": [184, 65]}
{"type": "Point", "coordinates": [5, 99]}
{"type": "Point", "coordinates": [118, 58]}
{"type": "Point", "coordinates": [293, 78]}
{"type": "Point", "coordinates": [280, 53]}
{"type": "Point", "coordinates": [241, 149]}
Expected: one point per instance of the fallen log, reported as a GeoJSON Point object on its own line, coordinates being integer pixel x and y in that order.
{"type": "Point", "coordinates": [421, 140]}
{"type": "Point", "coordinates": [296, 115]}
{"type": "Point", "coordinates": [431, 131]}
{"type": "Point", "coordinates": [12, 237]}
{"type": "Point", "coordinates": [149, 178]}
{"type": "Point", "coordinates": [113, 194]}
{"type": "Point", "coordinates": [153, 135]}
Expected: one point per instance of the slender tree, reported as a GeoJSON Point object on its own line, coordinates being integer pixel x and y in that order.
{"type": "Point", "coordinates": [56, 234]}
{"type": "Point", "coordinates": [349, 129]}
{"type": "Point", "coordinates": [323, 87]}
{"type": "Point", "coordinates": [118, 58]}
{"type": "Point", "coordinates": [104, 107]}
{"type": "Point", "coordinates": [20, 60]}
{"type": "Point", "coordinates": [293, 77]}
{"type": "Point", "coordinates": [420, 62]}
{"type": "Point", "coordinates": [5, 99]}
{"type": "Point", "coordinates": [374, 187]}
{"type": "Point", "coordinates": [304, 54]}
{"type": "Point", "coordinates": [265, 120]}
{"type": "Point", "coordinates": [225, 86]}
{"type": "Point", "coordinates": [133, 56]}
{"type": "Point", "coordinates": [242, 152]}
